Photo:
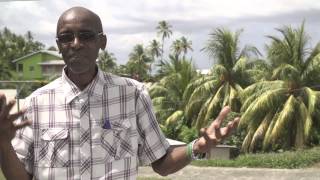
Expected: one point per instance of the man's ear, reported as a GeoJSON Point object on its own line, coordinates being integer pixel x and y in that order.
{"type": "Point", "coordinates": [103, 42]}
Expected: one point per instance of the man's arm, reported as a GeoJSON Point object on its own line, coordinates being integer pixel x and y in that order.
{"type": "Point", "coordinates": [11, 166]}
{"type": "Point", "coordinates": [177, 158]}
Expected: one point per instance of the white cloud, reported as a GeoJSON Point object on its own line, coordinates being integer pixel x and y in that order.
{"type": "Point", "coordinates": [131, 22]}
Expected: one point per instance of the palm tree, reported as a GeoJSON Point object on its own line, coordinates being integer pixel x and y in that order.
{"type": "Point", "coordinates": [168, 94]}
{"type": "Point", "coordinates": [107, 61]}
{"type": "Point", "coordinates": [139, 63]}
{"type": "Point", "coordinates": [283, 113]}
{"type": "Point", "coordinates": [181, 45]}
{"type": "Point", "coordinates": [163, 30]}
{"type": "Point", "coordinates": [176, 48]}
{"type": "Point", "coordinates": [186, 45]}
{"type": "Point", "coordinates": [208, 94]}
{"type": "Point", "coordinates": [154, 49]}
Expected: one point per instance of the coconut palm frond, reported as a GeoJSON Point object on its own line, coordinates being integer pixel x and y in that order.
{"type": "Point", "coordinates": [247, 141]}
{"type": "Point", "coordinates": [219, 70]}
{"type": "Point", "coordinates": [267, 137]}
{"type": "Point", "coordinates": [214, 104]}
{"type": "Point", "coordinates": [260, 132]}
{"type": "Point", "coordinates": [306, 119]}
{"type": "Point", "coordinates": [260, 87]}
{"type": "Point", "coordinates": [240, 65]}
{"type": "Point", "coordinates": [226, 94]}
{"type": "Point", "coordinates": [234, 102]}
{"type": "Point", "coordinates": [286, 115]}
{"type": "Point", "coordinates": [199, 122]}
{"type": "Point", "coordinates": [315, 52]}
{"type": "Point", "coordinates": [259, 107]}
{"type": "Point", "coordinates": [200, 94]}
{"type": "Point", "coordinates": [174, 117]}
{"type": "Point", "coordinates": [310, 99]}
{"type": "Point", "coordinates": [158, 90]}
{"type": "Point", "coordinates": [286, 72]}
{"type": "Point", "coordinates": [192, 86]}
{"type": "Point", "coordinates": [250, 51]}
{"type": "Point", "coordinates": [310, 73]}
{"type": "Point", "coordinates": [159, 100]}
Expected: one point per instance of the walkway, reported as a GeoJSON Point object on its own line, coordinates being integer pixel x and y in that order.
{"type": "Point", "coordinates": [208, 173]}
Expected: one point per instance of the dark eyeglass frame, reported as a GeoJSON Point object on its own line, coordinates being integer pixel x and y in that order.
{"type": "Point", "coordinates": [68, 37]}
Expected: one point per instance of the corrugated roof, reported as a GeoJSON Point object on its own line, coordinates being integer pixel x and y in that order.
{"type": "Point", "coordinates": [52, 62]}
{"type": "Point", "coordinates": [54, 53]}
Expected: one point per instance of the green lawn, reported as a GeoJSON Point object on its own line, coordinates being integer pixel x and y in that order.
{"type": "Point", "coordinates": [289, 160]}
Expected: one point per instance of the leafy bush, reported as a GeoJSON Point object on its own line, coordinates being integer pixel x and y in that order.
{"type": "Point", "coordinates": [289, 159]}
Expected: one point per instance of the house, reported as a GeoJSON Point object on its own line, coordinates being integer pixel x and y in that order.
{"type": "Point", "coordinates": [39, 65]}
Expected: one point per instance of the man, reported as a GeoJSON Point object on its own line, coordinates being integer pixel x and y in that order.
{"type": "Point", "coordinates": [91, 125]}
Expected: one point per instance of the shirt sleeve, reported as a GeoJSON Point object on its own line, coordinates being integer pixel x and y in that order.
{"type": "Point", "coordinates": [152, 142]}
{"type": "Point", "coordinates": [23, 144]}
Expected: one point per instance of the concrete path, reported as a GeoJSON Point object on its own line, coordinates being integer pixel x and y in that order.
{"type": "Point", "coordinates": [208, 173]}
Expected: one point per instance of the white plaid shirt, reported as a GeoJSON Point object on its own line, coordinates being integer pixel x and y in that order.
{"type": "Point", "coordinates": [102, 132]}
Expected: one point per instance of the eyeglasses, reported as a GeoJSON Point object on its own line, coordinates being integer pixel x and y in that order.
{"type": "Point", "coordinates": [86, 36]}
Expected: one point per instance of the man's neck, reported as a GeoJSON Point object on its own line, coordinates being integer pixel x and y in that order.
{"type": "Point", "coordinates": [82, 80]}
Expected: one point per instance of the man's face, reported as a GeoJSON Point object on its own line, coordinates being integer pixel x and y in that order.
{"type": "Point", "coordinates": [79, 42]}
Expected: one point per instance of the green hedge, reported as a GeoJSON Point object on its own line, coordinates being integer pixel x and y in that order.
{"type": "Point", "coordinates": [290, 160]}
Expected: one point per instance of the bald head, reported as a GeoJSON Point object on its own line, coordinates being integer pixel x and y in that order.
{"type": "Point", "coordinates": [80, 14]}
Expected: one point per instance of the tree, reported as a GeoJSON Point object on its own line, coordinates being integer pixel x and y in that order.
{"type": "Point", "coordinates": [181, 45]}
{"type": "Point", "coordinates": [163, 30]}
{"type": "Point", "coordinates": [139, 63]}
{"type": "Point", "coordinates": [168, 95]}
{"type": "Point", "coordinates": [154, 49]}
{"type": "Point", "coordinates": [52, 48]}
{"type": "Point", "coordinates": [284, 112]}
{"type": "Point", "coordinates": [107, 61]}
{"type": "Point", "coordinates": [176, 48]}
{"type": "Point", "coordinates": [14, 46]}
{"type": "Point", "coordinates": [185, 45]}
{"type": "Point", "coordinates": [209, 93]}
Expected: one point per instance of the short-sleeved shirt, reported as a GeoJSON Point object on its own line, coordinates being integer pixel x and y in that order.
{"type": "Point", "coordinates": [102, 132]}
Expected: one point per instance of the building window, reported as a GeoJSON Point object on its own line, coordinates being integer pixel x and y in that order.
{"type": "Point", "coordinates": [20, 67]}
{"type": "Point", "coordinates": [31, 68]}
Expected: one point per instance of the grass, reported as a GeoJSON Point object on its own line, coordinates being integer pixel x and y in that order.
{"type": "Point", "coordinates": [288, 160]}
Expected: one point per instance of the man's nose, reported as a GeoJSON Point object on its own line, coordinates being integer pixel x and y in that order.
{"type": "Point", "coordinates": [76, 43]}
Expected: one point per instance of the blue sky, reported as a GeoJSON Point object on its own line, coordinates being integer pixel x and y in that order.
{"type": "Point", "coordinates": [128, 23]}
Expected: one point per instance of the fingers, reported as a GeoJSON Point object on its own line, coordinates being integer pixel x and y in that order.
{"type": "Point", "coordinates": [3, 101]}
{"type": "Point", "coordinates": [22, 124]}
{"type": "Point", "coordinates": [217, 122]}
{"type": "Point", "coordinates": [6, 109]}
{"type": "Point", "coordinates": [223, 114]}
{"type": "Point", "coordinates": [16, 115]}
{"type": "Point", "coordinates": [231, 126]}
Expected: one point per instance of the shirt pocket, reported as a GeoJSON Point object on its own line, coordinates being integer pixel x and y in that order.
{"type": "Point", "coordinates": [117, 141]}
{"type": "Point", "coordinates": [54, 148]}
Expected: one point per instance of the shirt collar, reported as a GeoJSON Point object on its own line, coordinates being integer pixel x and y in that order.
{"type": "Point", "coordinates": [93, 90]}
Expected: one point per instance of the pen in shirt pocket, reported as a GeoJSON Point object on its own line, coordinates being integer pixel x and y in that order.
{"type": "Point", "coordinates": [106, 124]}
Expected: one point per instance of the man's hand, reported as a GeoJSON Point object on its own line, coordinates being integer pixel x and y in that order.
{"type": "Point", "coordinates": [214, 134]}
{"type": "Point", "coordinates": [7, 126]}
